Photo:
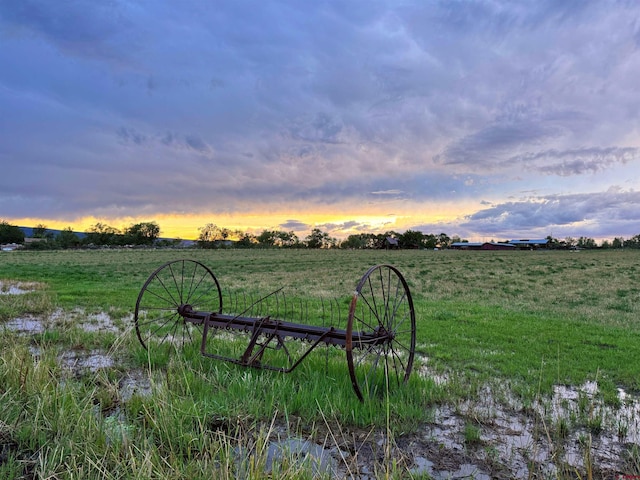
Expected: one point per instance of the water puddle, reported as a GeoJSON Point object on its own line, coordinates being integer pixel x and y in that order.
{"type": "Point", "coordinates": [301, 453]}
{"type": "Point", "coordinates": [17, 288]}
{"type": "Point", "coordinates": [26, 325]}
{"type": "Point", "coordinates": [465, 471]}
{"type": "Point", "coordinates": [99, 322]}
{"type": "Point", "coordinates": [12, 290]}
{"type": "Point", "coordinates": [439, 379]}
{"type": "Point", "coordinates": [93, 322]}
{"type": "Point", "coordinates": [89, 322]}
{"type": "Point", "coordinates": [82, 362]}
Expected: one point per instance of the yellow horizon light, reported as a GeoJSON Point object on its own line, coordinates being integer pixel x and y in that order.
{"type": "Point", "coordinates": [186, 226]}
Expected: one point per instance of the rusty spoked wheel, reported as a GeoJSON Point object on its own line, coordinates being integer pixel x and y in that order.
{"type": "Point", "coordinates": [381, 332]}
{"type": "Point", "coordinates": [172, 287]}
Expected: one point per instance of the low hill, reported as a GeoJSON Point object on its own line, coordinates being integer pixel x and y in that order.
{"type": "Point", "coordinates": [28, 232]}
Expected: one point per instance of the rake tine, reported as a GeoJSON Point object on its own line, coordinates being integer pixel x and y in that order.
{"type": "Point", "coordinates": [337, 313]}
{"type": "Point", "coordinates": [300, 310]}
{"type": "Point", "coordinates": [244, 300]}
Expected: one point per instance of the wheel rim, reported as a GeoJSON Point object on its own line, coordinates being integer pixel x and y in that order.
{"type": "Point", "coordinates": [381, 305]}
{"type": "Point", "coordinates": [166, 291]}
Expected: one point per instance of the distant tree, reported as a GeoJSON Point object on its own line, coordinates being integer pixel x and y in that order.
{"type": "Point", "coordinates": [633, 242]}
{"type": "Point", "coordinates": [363, 241]}
{"type": "Point", "coordinates": [605, 244]}
{"type": "Point", "coordinates": [237, 234]}
{"type": "Point", "coordinates": [356, 242]}
{"type": "Point", "coordinates": [211, 235]}
{"type": "Point", "coordinates": [430, 241]}
{"type": "Point", "coordinates": [267, 238]}
{"type": "Point", "coordinates": [411, 239]}
{"type": "Point", "coordinates": [246, 240]}
{"type": "Point", "coordinates": [552, 243]}
{"type": "Point", "coordinates": [379, 241]}
{"type": "Point", "coordinates": [287, 239]}
{"type": "Point", "coordinates": [102, 234]}
{"type": "Point", "coordinates": [145, 233]}
{"type": "Point", "coordinates": [40, 231]}
{"type": "Point", "coordinates": [46, 239]}
{"type": "Point", "coordinates": [10, 233]}
{"type": "Point", "coordinates": [371, 240]}
{"type": "Point", "coordinates": [586, 242]}
{"type": "Point", "coordinates": [617, 242]}
{"type": "Point", "coordinates": [67, 238]}
{"type": "Point", "coordinates": [278, 238]}
{"type": "Point", "coordinates": [443, 240]}
{"type": "Point", "coordinates": [319, 239]}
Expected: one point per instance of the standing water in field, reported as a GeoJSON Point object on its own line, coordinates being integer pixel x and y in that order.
{"type": "Point", "coordinates": [572, 431]}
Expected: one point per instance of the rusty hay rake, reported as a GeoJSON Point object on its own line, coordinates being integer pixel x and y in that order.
{"type": "Point", "coordinates": [181, 303]}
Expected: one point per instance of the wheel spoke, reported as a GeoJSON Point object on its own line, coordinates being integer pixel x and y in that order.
{"type": "Point", "coordinates": [169, 291]}
{"type": "Point", "coordinates": [161, 298]}
{"type": "Point", "coordinates": [156, 320]}
{"type": "Point", "coordinates": [175, 288]}
{"type": "Point", "coordinates": [149, 308]}
{"type": "Point", "coordinates": [365, 324]}
{"type": "Point", "coordinates": [201, 295]}
{"type": "Point", "coordinates": [152, 333]}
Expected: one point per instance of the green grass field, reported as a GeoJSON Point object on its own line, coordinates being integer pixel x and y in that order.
{"type": "Point", "coordinates": [528, 320]}
{"type": "Point", "coordinates": [493, 313]}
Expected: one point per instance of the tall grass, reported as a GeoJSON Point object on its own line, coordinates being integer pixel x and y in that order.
{"type": "Point", "coordinates": [198, 421]}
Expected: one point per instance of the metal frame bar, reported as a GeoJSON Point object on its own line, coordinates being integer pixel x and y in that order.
{"type": "Point", "coordinates": [274, 329]}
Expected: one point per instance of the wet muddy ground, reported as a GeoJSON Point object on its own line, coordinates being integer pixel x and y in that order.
{"type": "Point", "coordinates": [569, 435]}
{"type": "Point", "coordinates": [16, 288]}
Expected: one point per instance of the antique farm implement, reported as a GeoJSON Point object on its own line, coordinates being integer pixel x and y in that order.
{"type": "Point", "coordinates": [181, 303]}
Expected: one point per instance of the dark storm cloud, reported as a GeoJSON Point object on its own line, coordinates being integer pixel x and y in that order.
{"type": "Point", "coordinates": [136, 107]}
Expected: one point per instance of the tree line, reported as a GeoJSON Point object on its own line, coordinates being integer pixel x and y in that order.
{"type": "Point", "coordinates": [147, 234]}
{"type": "Point", "coordinates": [214, 236]}
{"type": "Point", "coordinates": [98, 235]}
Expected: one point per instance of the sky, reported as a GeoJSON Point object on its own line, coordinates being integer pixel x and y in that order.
{"type": "Point", "coordinates": [483, 119]}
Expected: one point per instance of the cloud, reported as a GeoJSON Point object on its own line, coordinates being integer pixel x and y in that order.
{"type": "Point", "coordinates": [578, 161]}
{"type": "Point", "coordinates": [349, 107]}
{"type": "Point", "coordinates": [594, 213]}
{"type": "Point", "coordinates": [294, 225]}
{"type": "Point", "coordinates": [83, 28]}
{"type": "Point", "coordinates": [131, 135]}
{"type": "Point", "coordinates": [488, 147]}
{"type": "Point", "coordinates": [388, 192]}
